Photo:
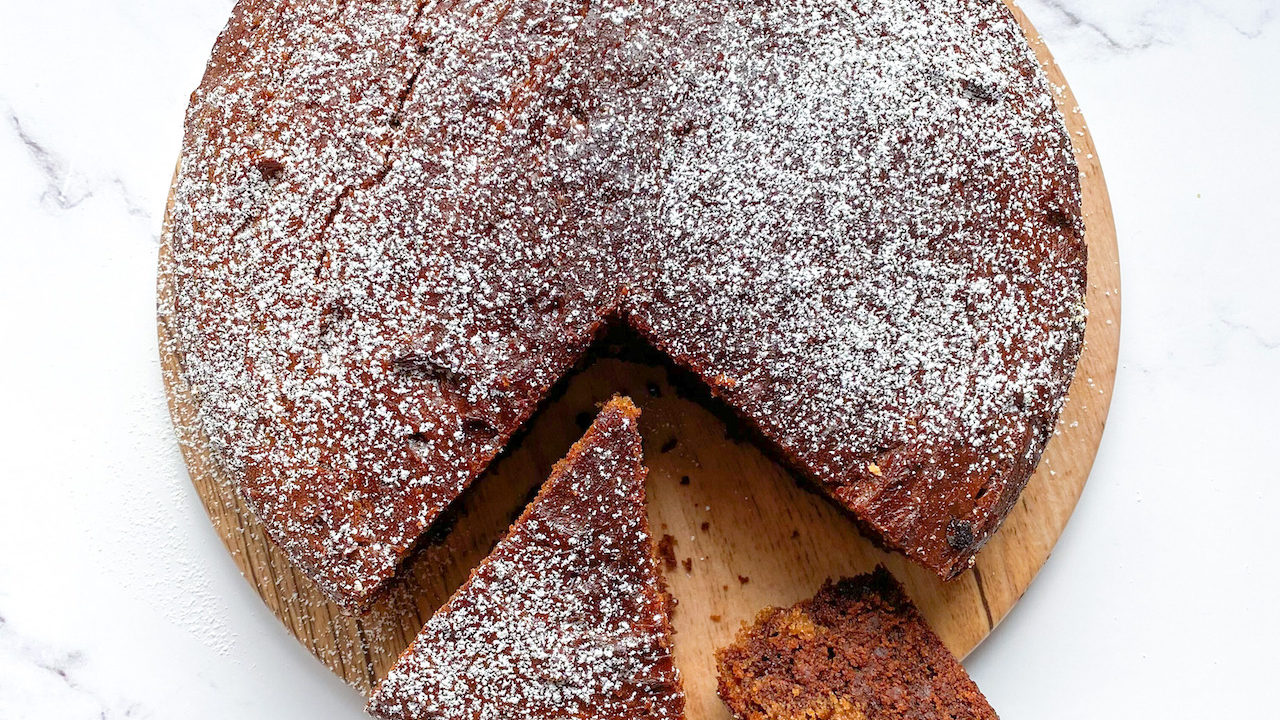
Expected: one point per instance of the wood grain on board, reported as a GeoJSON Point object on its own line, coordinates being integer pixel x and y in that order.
{"type": "Point", "coordinates": [746, 533]}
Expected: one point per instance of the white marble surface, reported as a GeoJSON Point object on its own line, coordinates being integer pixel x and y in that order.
{"type": "Point", "coordinates": [116, 599]}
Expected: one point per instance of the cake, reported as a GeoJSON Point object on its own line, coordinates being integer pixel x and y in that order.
{"type": "Point", "coordinates": [567, 617]}
{"type": "Point", "coordinates": [858, 650]}
{"type": "Point", "coordinates": [396, 225]}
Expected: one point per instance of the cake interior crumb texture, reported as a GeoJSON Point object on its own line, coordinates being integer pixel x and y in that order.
{"type": "Point", "coordinates": [566, 618]}
{"type": "Point", "coordinates": [858, 650]}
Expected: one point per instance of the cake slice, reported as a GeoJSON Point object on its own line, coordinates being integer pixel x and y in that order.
{"type": "Point", "coordinates": [566, 618]}
{"type": "Point", "coordinates": [858, 650]}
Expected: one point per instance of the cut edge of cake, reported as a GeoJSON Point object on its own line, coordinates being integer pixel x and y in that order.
{"type": "Point", "coordinates": [857, 650]}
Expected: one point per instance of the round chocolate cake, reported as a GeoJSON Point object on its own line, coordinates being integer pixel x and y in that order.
{"type": "Point", "coordinates": [396, 225]}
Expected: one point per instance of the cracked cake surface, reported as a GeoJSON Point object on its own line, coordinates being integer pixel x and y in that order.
{"type": "Point", "coordinates": [858, 650]}
{"type": "Point", "coordinates": [567, 617]}
{"type": "Point", "coordinates": [396, 225]}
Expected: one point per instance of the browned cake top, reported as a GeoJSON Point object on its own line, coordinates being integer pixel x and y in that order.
{"type": "Point", "coordinates": [858, 650]}
{"type": "Point", "coordinates": [566, 617]}
{"type": "Point", "coordinates": [396, 224]}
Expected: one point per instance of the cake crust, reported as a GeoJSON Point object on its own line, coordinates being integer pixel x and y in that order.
{"type": "Point", "coordinates": [397, 224]}
{"type": "Point", "coordinates": [858, 650]}
{"type": "Point", "coordinates": [567, 617]}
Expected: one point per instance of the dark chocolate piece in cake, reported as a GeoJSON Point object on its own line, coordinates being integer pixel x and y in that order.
{"type": "Point", "coordinates": [566, 618]}
{"type": "Point", "coordinates": [397, 224]}
{"type": "Point", "coordinates": [858, 650]}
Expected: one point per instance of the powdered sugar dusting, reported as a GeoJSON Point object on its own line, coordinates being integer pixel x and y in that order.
{"type": "Point", "coordinates": [397, 224]}
{"type": "Point", "coordinates": [565, 618]}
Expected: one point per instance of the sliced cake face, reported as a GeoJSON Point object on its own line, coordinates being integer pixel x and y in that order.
{"type": "Point", "coordinates": [566, 618]}
{"type": "Point", "coordinates": [858, 650]}
{"type": "Point", "coordinates": [397, 224]}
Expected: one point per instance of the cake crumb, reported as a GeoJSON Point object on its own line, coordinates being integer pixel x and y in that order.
{"type": "Point", "coordinates": [667, 551]}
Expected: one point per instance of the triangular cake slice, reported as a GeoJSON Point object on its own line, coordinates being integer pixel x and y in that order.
{"type": "Point", "coordinates": [858, 650]}
{"type": "Point", "coordinates": [567, 617]}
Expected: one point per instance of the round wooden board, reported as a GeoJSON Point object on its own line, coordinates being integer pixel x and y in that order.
{"type": "Point", "coordinates": [746, 533]}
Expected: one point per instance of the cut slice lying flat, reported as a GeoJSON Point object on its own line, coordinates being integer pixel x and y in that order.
{"type": "Point", "coordinates": [858, 650]}
{"type": "Point", "coordinates": [567, 617]}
